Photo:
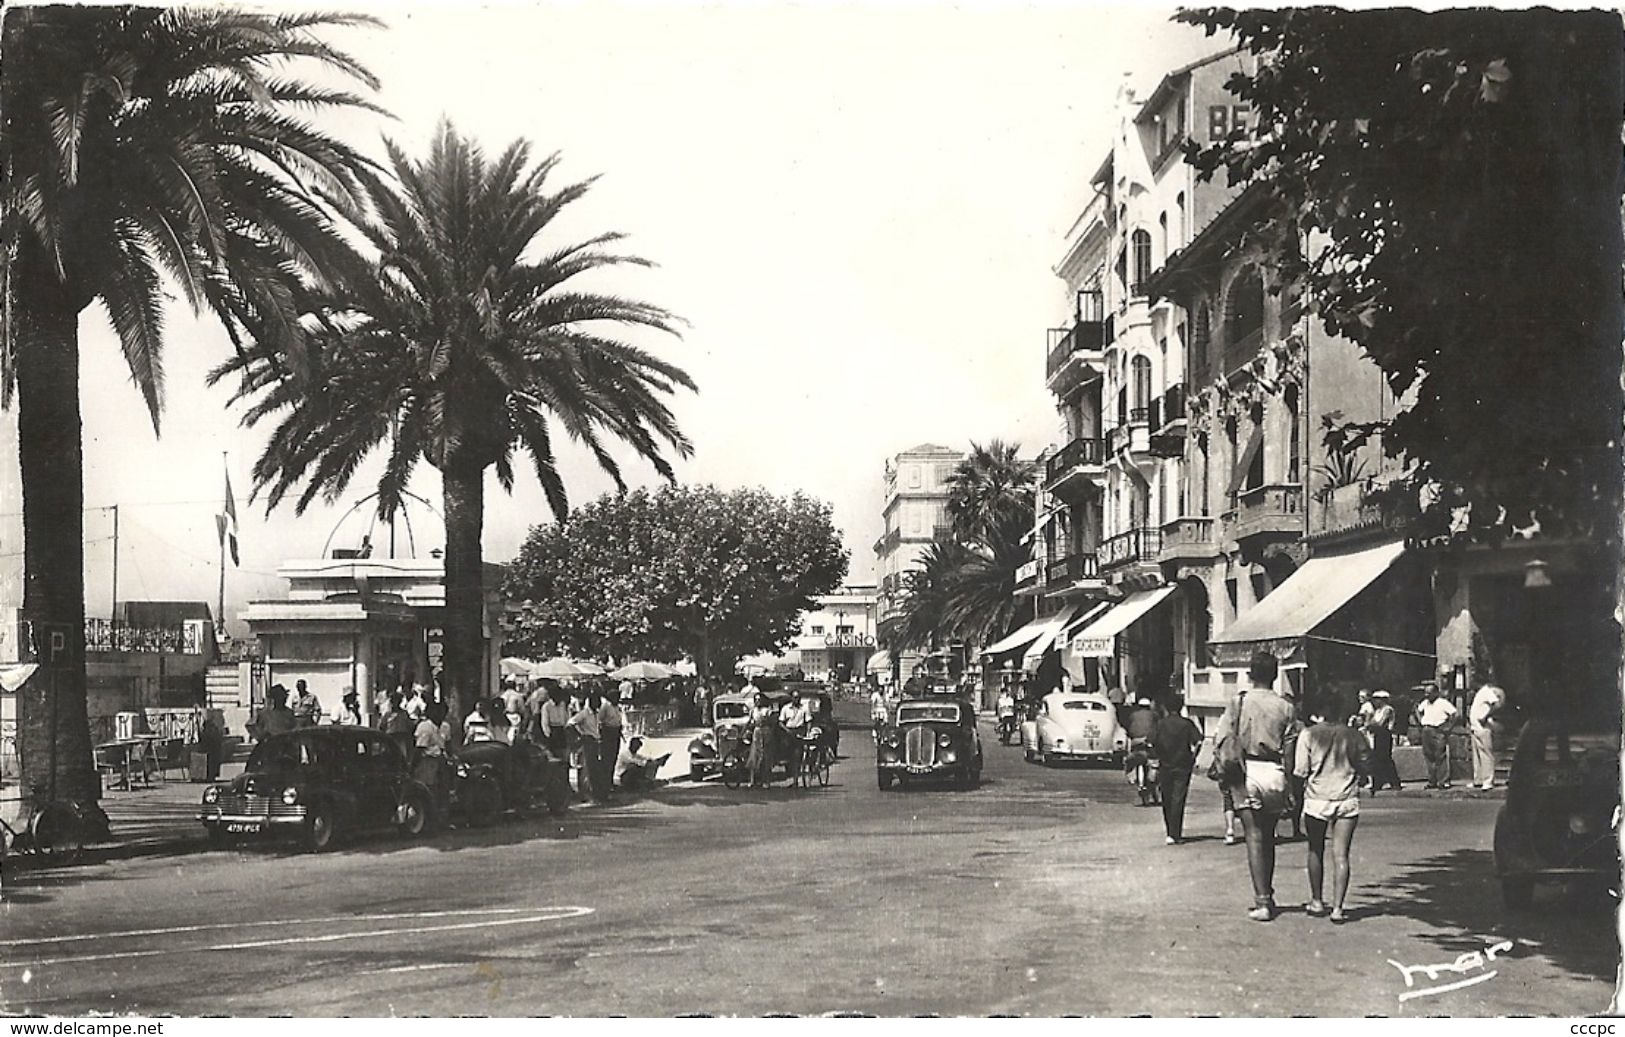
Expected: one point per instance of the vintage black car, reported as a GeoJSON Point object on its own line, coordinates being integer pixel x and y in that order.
{"type": "Point", "coordinates": [316, 784]}
{"type": "Point", "coordinates": [725, 748]}
{"type": "Point", "coordinates": [931, 737]}
{"type": "Point", "coordinates": [1561, 814]}
{"type": "Point", "coordinates": [520, 776]}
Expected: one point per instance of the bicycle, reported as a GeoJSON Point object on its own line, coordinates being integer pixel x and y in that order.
{"type": "Point", "coordinates": [55, 831]}
{"type": "Point", "coordinates": [815, 760]}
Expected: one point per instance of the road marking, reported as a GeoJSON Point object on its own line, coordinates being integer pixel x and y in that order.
{"type": "Point", "coordinates": [551, 915]}
{"type": "Point", "coordinates": [1447, 987]}
{"type": "Point", "coordinates": [245, 925]}
{"type": "Point", "coordinates": [420, 968]}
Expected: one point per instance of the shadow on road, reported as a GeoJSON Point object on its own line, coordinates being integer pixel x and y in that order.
{"type": "Point", "coordinates": [1457, 896]}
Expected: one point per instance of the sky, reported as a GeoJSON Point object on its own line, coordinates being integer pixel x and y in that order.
{"type": "Point", "coordinates": [854, 208]}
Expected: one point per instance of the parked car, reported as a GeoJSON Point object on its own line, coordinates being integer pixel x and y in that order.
{"type": "Point", "coordinates": [318, 784]}
{"type": "Point", "coordinates": [1561, 816]}
{"type": "Point", "coordinates": [1074, 725]}
{"type": "Point", "coordinates": [725, 748]}
{"type": "Point", "coordinates": [931, 737]}
{"type": "Point", "coordinates": [521, 775]}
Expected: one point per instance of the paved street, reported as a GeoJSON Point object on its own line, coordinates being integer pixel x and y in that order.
{"type": "Point", "coordinates": [1044, 892]}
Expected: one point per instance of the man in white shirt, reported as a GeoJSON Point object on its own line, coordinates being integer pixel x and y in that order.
{"type": "Point", "coordinates": [794, 719]}
{"type": "Point", "coordinates": [634, 770]}
{"type": "Point", "coordinates": [1487, 702]}
{"type": "Point", "coordinates": [1436, 715]}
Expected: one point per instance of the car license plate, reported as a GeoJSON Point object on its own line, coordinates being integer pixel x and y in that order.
{"type": "Point", "coordinates": [244, 827]}
{"type": "Point", "coordinates": [1091, 731]}
{"type": "Point", "coordinates": [919, 768]}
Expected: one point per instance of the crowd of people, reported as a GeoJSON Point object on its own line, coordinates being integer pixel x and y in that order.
{"type": "Point", "coordinates": [581, 728]}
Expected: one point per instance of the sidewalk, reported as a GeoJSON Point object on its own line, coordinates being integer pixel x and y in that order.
{"type": "Point", "coordinates": [163, 818]}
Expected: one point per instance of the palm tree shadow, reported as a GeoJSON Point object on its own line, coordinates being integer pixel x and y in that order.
{"type": "Point", "coordinates": [1457, 897]}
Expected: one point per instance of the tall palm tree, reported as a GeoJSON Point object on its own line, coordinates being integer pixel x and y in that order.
{"type": "Point", "coordinates": [924, 617]}
{"type": "Point", "coordinates": [990, 494]}
{"type": "Point", "coordinates": [469, 344]}
{"type": "Point", "coordinates": [990, 506]}
{"type": "Point", "coordinates": [142, 147]}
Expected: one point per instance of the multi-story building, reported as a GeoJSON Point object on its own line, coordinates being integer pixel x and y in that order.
{"type": "Point", "coordinates": [1117, 372]}
{"type": "Point", "coordinates": [915, 513]}
{"type": "Point", "coordinates": [839, 636]}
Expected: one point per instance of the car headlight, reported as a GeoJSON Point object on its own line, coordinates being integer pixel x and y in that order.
{"type": "Point", "coordinates": [290, 796]}
{"type": "Point", "coordinates": [211, 794]}
{"type": "Point", "coordinates": [892, 740]}
{"type": "Point", "coordinates": [949, 757]}
{"type": "Point", "coordinates": [1579, 824]}
{"type": "Point", "coordinates": [943, 741]}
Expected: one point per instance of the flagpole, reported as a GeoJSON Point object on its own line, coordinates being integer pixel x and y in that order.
{"type": "Point", "coordinates": [220, 616]}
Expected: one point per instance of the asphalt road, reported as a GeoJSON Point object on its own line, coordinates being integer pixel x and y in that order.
{"type": "Point", "coordinates": [1044, 892]}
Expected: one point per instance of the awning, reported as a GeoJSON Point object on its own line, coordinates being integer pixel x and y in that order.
{"type": "Point", "coordinates": [14, 677]}
{"type": "Point", "coordinates": [879, 662]}
{"type": "Point", "coordinates": [1099, 638]}
{"type": "Point", "coordinates": [1034, 656]}
{"type": "Point", "coordinates": [1026, 635]}
{"type": "Point", "coordinates": [1312, 594]}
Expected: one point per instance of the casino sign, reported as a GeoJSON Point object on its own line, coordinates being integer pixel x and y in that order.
{"type": "Point", "coordinates": [849, 640]}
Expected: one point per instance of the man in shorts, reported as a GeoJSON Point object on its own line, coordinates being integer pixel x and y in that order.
{"type": "Point", "coordinates": [1262, 722]}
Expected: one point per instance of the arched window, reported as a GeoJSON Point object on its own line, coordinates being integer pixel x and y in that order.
{"type": "Point", "coordinates": [1179, 221]}
{"type": "Point", "coordinates": [1162, 225]}
{"type": "Point", "coordinates": [1141, 242]}
{"type": "Point", "coordinates": [1244, 318]}
{"type": "Point", "coordinates": [1294, 436]}
{"type": "Point", "coordinates": [1203, 473]}
{"type": "Point", "coordinates": [1141, 380]}
{"type": "Point", "coordinates": [1255, 469]}
{"type": "Point", "coordinates": [1201, 335]}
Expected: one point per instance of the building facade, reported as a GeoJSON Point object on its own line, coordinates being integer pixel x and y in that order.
{"type": "Point", "coordinates": [839, 637]}
{"type": "Point", "coordinates": [915, 512]}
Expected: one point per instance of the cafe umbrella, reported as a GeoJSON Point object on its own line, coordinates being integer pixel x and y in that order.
{"type": "Point", "coordinates": [643, 671]}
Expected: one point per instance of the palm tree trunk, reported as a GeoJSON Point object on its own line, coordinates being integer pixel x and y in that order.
{"type": "Point", "coordinates": [463, 489]}
{"type": "Point", "coordinates": [54, 740]}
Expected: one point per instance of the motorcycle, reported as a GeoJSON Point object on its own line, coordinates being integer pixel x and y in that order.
{"type": "Point", "coordinates": [1008, 728]}
{"type": "Point", "coordinates": [1140, 766]}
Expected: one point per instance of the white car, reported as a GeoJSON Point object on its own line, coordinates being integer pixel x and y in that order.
{"type": "Point", "coordinates": [1074, 726]}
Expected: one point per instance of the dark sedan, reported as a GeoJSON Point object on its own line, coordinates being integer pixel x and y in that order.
{"type": "Point", "coordinates": [1561, 814]}
{"type": "Point", "coordinates": [317, 784]}
{"type": "Point", "coordinates": [933, 737]}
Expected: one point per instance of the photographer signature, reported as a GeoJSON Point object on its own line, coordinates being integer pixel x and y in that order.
{"type": "Point", "coordinates": [1472, 965]}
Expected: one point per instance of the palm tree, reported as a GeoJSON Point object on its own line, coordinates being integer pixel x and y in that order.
{"type": "Point", "coordinates": [990, 506]}
{"type": "Point", "coordinates": [923, 617]}
{"type": "Point", "coordinates": [990, 494]}
{"type": "Point", "coordinates": [460, 351]}
{"type": "Point", "coordinates": [139, 147]}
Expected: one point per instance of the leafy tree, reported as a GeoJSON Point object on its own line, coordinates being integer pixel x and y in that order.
{"type": "Point", "coordinates": [468, 345]}
{"type": "Point", "coordinates": [683, 571]}
{"type": "Point", "coordinates": [1454, 180]}
{"type": "Point", "coordinates": [143, 149]}
{"type": "Point", "coordinates": [1457, 177]}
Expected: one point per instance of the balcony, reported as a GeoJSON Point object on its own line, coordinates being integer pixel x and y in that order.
{"type": "Point", "coordinates": [1240, 346]}
{"type": "Point", "coordinates": [1133, 435]}
{"type": "Point", "coordinates": [1138, 545]}
{"type": "Point", "coordinates": [1078, 462]}
{"type": "Point", "coordinates": [1075, 355]}
{"type": "Point", "coordinates": [1064, 572]}
{"type": "Point", "coordinates": [1168, 423]}
{"type": "Point", "coordinates": [1273, 511]}
{"type": "Point", "coordinates": [1188, 539]}
{"type": "Point", "coordinates": [103, 635]}
{"type": "Point", "coordinates": [885, 544]}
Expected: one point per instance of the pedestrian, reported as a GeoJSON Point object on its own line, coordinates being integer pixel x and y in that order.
{"type": "Point", "coordinates": [633, 770]}
{"type": "Point", "coordinates": [1331, 757]}
{"type": "Point", "coordinates": [1175, 742]}
{"type": "Point", "coordinates": [478, 724]}
{"type": "Point", "coordinates": [585, 724]}
{"type": "Point", "coordinates": [764, 723]}
{"type": "Point", "coordinates": [1481, 723]}
{"type": "Point", "coordinates": [627, 691]}
{"type": "Point", "coordinates": [307, 708]}
{"type": "Point", "coordinates": [1255, 728]}
{"type": "Point", "coordinates": [276, 718]}
{"type": "Point", "coordinates": [349, 711]}
{"type": "Point", "coordinates": [794, 719]}
{"type": "Point", "coordinates": [553, 721]}
{"type": "Point", "coordinates": [1294, 784]}
{"type": "Point", "coordinates": [1435, 716]}
{"type": "Point", "coordinates": [1228, 800]}
{"type": "Point", "coordinates": [1380, 729]}
{"type": "Point", "coordinates": [610, 723]}
{"type": "Point", "coordinates": [397, 724]}
{"type": "Point", "coordinates": [211, 741]}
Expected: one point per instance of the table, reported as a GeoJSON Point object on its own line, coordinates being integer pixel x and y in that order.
{"type": "Point", "coordinates": [122, 752]}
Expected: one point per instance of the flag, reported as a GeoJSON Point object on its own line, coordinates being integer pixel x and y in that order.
{"type": "Point", "coordinates": [225, 523]}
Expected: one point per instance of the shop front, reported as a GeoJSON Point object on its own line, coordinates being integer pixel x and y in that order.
{"type": "Point", "coordinates": [1126, 644]}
